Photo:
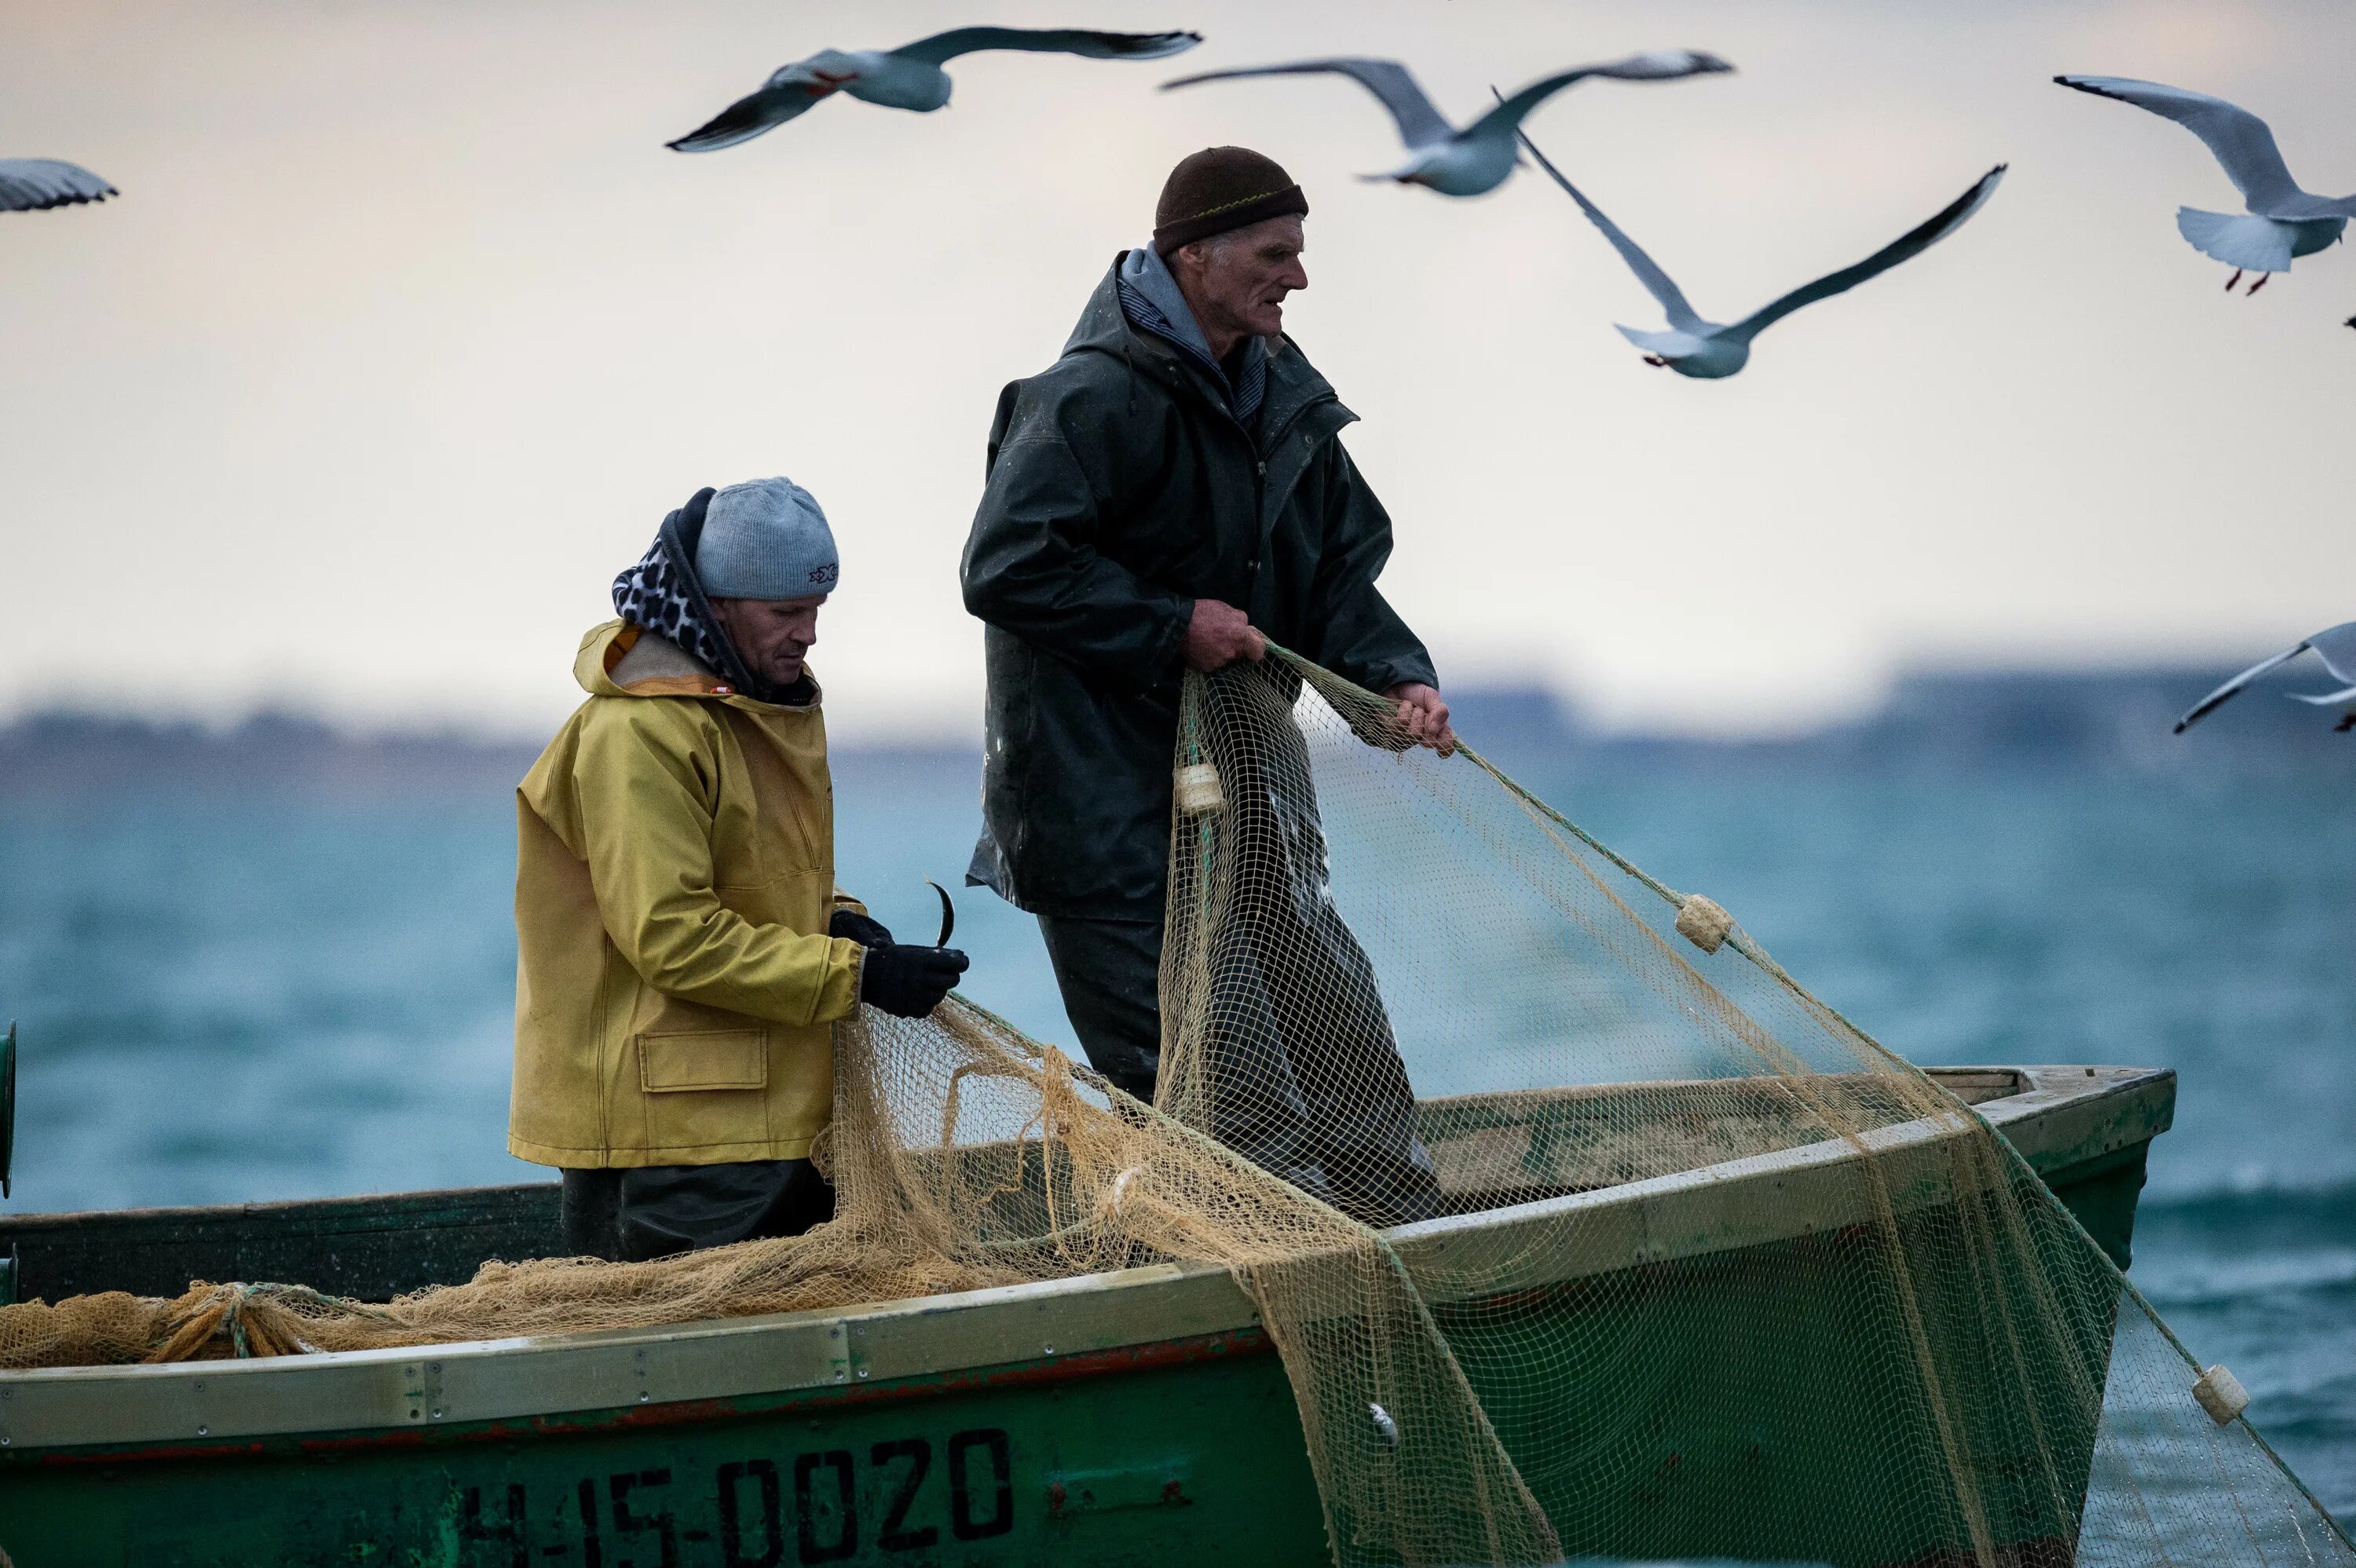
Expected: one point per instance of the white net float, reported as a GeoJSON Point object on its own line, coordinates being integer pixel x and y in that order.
{"type": "Point", "coordinates": [1198, 789]}
{"type": "Point", "coordinates": [1703, 921]}
{"type": "Point", "coordinates": [2221, 1394]}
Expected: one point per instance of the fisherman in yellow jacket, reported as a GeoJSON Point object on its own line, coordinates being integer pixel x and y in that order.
{"type": "Point", "coordinates": [683, 951]}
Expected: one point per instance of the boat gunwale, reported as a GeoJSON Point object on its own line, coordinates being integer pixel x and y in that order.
{"type": "Point", "coordinates": [1463, 1110]}
{"type": "Point", "coordinates": [1803, 1190]}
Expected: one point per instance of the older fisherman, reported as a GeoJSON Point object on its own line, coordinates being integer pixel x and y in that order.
{"type": "Point", "coordinates": [1166, 493]}
{"type": "Point", "coordinates": [683, 948]}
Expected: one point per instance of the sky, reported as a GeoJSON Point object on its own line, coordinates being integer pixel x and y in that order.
{"type": "Point", "coordinates": [407, 330]}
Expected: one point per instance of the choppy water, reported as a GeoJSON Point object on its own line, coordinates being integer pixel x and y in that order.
{"type": "Point", "coordinates": [253, 999]}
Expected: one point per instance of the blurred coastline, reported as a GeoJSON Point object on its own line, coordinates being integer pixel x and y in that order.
{"type": "Point", "coordinates": [2044, 719]}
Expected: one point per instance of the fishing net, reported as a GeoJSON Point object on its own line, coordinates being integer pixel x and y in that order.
{"type": "Point", "coordinates": [1582, 1229]}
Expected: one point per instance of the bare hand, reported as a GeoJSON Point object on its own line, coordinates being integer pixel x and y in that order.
{"type": "Point", "coordinates": [1423, 714]}
{"type": "Point", "coordinates": [1218, 635]}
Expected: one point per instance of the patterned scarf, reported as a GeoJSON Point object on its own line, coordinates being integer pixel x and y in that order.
{"type": "Point", "coordinates": [661, 593]}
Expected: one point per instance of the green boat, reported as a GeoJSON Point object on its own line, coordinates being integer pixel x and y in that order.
{"type": "Point", "coordinates": [1131, 1417]}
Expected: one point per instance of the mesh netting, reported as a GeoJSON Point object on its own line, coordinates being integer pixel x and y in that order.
{"type": "Point", "coordinates": [1672, 1261]}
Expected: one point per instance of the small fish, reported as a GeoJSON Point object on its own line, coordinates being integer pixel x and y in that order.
{"type": "Point", "coordinates": [948, 912]}
{"type": "Point", "coordinates": [1383, 1424]}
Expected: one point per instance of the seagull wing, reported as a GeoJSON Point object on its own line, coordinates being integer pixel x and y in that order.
{"type": "Point", "coordinates": [29, 184]}
{"type": "Point", "coordinates": [2323, 698]}
{"type": "Point", "coordinates": [2239, 139]}
{"type": "Point", "coordinates": [2336, 646]}
{"type": "Point", "coordinates": [1419, 123]}
{"type": "Point", "coordinates": [1913, 242]}
{"type": "Point", "coordinates": [1648, 272]}
{"type": "Point", "coordinates": [2200, 709]}
{"type": "Point", "coordinates": [944, 47]}
{"type": "Point", "coordinates": [1660, 65]}
{"type": "Point", "coordinates": [749, 116]}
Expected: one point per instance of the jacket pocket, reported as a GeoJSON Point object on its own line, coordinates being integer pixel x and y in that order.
{"type": "Point", "coordinates": [706, 1060]}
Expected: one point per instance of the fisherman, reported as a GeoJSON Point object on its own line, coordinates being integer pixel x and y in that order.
{"type": "Point", "coordinates": [683, 949]}
{"type": "Point", "coordinates": [1166, 495]}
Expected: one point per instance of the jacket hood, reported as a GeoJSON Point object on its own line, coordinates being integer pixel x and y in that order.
{"type": "Point", "coordinates": [1150, 297]}
{"type": "Point", "coordinates": [1293, 383]}
{"type": "Point", "coordinates": [603, 647]}
{"type": "Point", "coordinates": [1150, 275]}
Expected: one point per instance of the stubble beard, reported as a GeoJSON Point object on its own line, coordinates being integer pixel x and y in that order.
{"type": "Point", "coordinates": [780, 669]}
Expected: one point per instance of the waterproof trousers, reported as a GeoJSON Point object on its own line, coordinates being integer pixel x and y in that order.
{"type": "Point", "coordinates": [1109, 971]}
{"type": "Point", "coordinates": [632, 1214]}
{"type": "Point", "coordinates": [1306, 1079]}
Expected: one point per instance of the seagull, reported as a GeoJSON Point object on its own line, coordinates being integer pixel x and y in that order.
{"type": "Point", "coordinates": [2282, 221]}
{"type": "Point", "coordinates": [2336, 646]}
{"type": "Point", "coordinates": [1476, 159]}
{"type": "Point", "coordinates": [909, 77]}
{"type": "Point", "coordinates": [1709, 350]}
{"type": "Point", "coordinates": [31, 185]}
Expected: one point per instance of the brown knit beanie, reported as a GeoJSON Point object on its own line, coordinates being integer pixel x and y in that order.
{"type": "Point", "coordinates": [1220, 188]}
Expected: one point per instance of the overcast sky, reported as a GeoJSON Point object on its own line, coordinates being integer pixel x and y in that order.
{"type": "Point", "coordinates": [406, 331]}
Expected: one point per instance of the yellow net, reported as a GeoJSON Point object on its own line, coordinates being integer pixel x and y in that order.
{"type": "Point", "coordinates": [1582, 1229]}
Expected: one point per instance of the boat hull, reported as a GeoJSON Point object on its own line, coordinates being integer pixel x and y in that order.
{"type": "Point", "coordinates": [1135, 1417]}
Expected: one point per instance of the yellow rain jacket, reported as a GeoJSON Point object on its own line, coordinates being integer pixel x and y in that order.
{"type": "Point", "coordinates": [675, 986]}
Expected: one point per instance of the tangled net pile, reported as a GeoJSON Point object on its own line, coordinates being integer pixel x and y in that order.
{"type": "Point", "coordinates": [1742, 1282]}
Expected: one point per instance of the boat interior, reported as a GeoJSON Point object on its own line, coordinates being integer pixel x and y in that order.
{"type": "Point", "coordinates": [1493, 1150]}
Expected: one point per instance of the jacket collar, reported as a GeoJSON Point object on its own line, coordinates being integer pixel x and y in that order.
{"type": "Point", "coordinates": [1293, 384]}
{"type": "Point", "coordinates": [1151, 299]}
{"type": "Point", "coordinates": [620, 659]}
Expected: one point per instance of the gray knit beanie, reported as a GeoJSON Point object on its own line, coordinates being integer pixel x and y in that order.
{"type": "Point", "coordinates": [766, 539]}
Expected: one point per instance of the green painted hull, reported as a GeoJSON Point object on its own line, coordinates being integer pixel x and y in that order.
{"type": "Point", "coordinates": [1138, 1417]}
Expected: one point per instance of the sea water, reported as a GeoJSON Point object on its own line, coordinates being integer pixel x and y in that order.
{"type": "Point", "coordinates": [249, 998]}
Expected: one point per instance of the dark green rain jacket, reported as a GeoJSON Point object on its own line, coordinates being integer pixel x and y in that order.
{"type": "Point", "coordinates": [1121, 489]}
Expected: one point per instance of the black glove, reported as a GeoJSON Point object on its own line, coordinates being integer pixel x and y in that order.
{"type": "Point", "coordinates": [909, 982]}
{"type": "Point", "coordinates": [863, 929]}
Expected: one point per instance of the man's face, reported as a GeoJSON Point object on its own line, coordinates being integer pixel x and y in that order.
{"type": "Point", "coordinates": [1237, 281]}
{"type": "Point", "coordinates": [773, 636]}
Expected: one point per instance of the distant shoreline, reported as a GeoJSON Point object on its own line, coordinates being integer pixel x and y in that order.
{"type": "Point", "coordinates": [2109, 718]}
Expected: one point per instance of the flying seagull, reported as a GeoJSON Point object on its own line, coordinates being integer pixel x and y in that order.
{"type": "Point", "coordinates": [31, 185]}
{"type": "Point", "coordinates": [1478, 159]}
{"type": "Point", "coordinates": [909, 77]}
{"type": "Point", "coordinates": [2336, 646]}
{"type": "Point", "coordinates": [1709, 349]}
{"type": "Point", "coordinates": [2283, 220]}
